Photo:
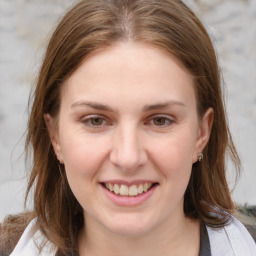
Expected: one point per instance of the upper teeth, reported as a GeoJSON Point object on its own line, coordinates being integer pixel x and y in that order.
{"type": "Point", "coordinates": [124, 190]}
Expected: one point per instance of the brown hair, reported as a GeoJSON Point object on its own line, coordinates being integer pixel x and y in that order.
{"type": "Point", "coordinates": [92, 25]}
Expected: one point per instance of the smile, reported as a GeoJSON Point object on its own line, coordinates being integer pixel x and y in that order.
{"type": "Point", "coordinates": [128, 194]}
{"type": "Point", "coordinates": [131, 191]}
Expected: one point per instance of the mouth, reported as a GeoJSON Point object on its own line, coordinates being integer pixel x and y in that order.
{"type": "Point", "coordinates": [128, 191]}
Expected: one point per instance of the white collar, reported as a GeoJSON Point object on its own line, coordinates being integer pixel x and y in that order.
{"type": "Point", "coordinates": [231, 240]}
{"type": "Point", "coordinates": [30, 240]}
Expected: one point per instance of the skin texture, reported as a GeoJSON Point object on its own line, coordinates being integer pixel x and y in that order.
{"type": "Point", "coordinates": [128, 114]}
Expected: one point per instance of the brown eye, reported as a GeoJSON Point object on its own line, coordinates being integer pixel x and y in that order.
{"type": "Point", "coordinates": [160, 121]}
{"type": "Point", "coordinates": [96, 121]}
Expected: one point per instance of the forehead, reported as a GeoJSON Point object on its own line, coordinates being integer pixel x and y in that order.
{"type": "Point", "coordinates": [130, 71]}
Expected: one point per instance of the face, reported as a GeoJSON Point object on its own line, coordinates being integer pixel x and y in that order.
{"type": "Point", "coordinates": [128, 134]}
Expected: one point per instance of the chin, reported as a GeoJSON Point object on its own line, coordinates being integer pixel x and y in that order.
{"type": "Point", "coordinates": [129, 227]}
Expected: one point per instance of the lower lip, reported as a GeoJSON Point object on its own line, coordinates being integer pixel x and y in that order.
{"type": "Point", "coordinates": [129, 200]}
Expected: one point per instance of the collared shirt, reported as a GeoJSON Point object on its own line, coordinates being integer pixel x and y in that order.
{"type": "Point", "coordinates": [205, 249]}
{"type": "Point", "coordinates": [230, 240]}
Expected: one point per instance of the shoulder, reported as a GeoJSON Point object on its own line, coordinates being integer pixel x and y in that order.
{"type": "Point", "coordinates": [11, 229]}
{"type": "Point", "coordinates": [247, 215]}
{"type": "Point", "coordinates": [252, 231]}
{"type": "Point", "coordinates": [232, 239]}
{"type": "Point", "coordinates": [32, 242]}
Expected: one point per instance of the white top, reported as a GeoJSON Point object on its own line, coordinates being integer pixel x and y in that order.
{"type": "Point", "coordinates": [29, 241]}
{"type": "Point", "coordinates": [231, 240]}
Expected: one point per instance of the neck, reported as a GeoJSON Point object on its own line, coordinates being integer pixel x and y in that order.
{"type": "Point", "coordinates": [176, 238]}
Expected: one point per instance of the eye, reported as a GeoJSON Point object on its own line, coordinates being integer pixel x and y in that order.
{"type": "Point", "coordinates": [94, 121]}
{"type": "Point", "coordinates": [161, 121]}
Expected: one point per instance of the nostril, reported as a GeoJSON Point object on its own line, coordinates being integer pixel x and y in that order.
{"type": "Point", "coordinates": [127, 152]}
{"type": "Point", "coordinates": [127, 160]}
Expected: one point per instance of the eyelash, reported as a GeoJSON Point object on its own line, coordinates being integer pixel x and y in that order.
{"type": "Point", "coordinates": [89, 119]}
{"type": "Point", "coordinates": [166, 119]}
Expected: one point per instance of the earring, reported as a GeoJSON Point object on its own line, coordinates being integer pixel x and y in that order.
{"type": "Point", "coordinates": [200, 156]}
{"type": "Point", "coordinates": [58, 157]}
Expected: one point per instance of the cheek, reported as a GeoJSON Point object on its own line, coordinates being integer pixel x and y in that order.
{"type": "Point", "coordinates": [83, 155]}
{"type": "Point", "coordinates": [174, 165]}
{"type": "Point", "coordinates": [83, 158]}
{"type": "Point", "coordinates": [176, 158]}
{"type": "Point", "coordinates": [175, 149]}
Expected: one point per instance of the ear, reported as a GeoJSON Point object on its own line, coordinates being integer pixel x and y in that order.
{"type": "Point", "coordinates": [54, 136]}
{"type": "Point", "coordinates": [204, 132]}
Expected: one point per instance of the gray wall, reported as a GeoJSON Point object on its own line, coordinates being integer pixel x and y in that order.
{"type": "Point", "coordinates": [25, 27]}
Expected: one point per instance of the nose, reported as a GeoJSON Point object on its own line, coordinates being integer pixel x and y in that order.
{"type": "Point", "coordinates": [127, 151]}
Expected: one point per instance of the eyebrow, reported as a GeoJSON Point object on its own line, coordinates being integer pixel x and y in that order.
{"type": "Point", "coordinates": [103, 107]}
{"type": "Point", "coordinates": [94, 105]}
{"type": "Point", "coordinates": [163, 105]}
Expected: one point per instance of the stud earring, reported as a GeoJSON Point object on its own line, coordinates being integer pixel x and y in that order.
{"type": "Point", "coordinates": [58, 157]}
{"type": "Point", "coordinates": [200, 156]}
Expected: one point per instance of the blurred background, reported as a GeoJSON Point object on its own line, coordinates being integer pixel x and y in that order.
{"type": "Point", "coordinates": [26, 26]}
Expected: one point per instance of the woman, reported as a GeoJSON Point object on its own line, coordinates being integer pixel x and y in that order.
{"type": "Point", "coordinates": [129, 137]}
